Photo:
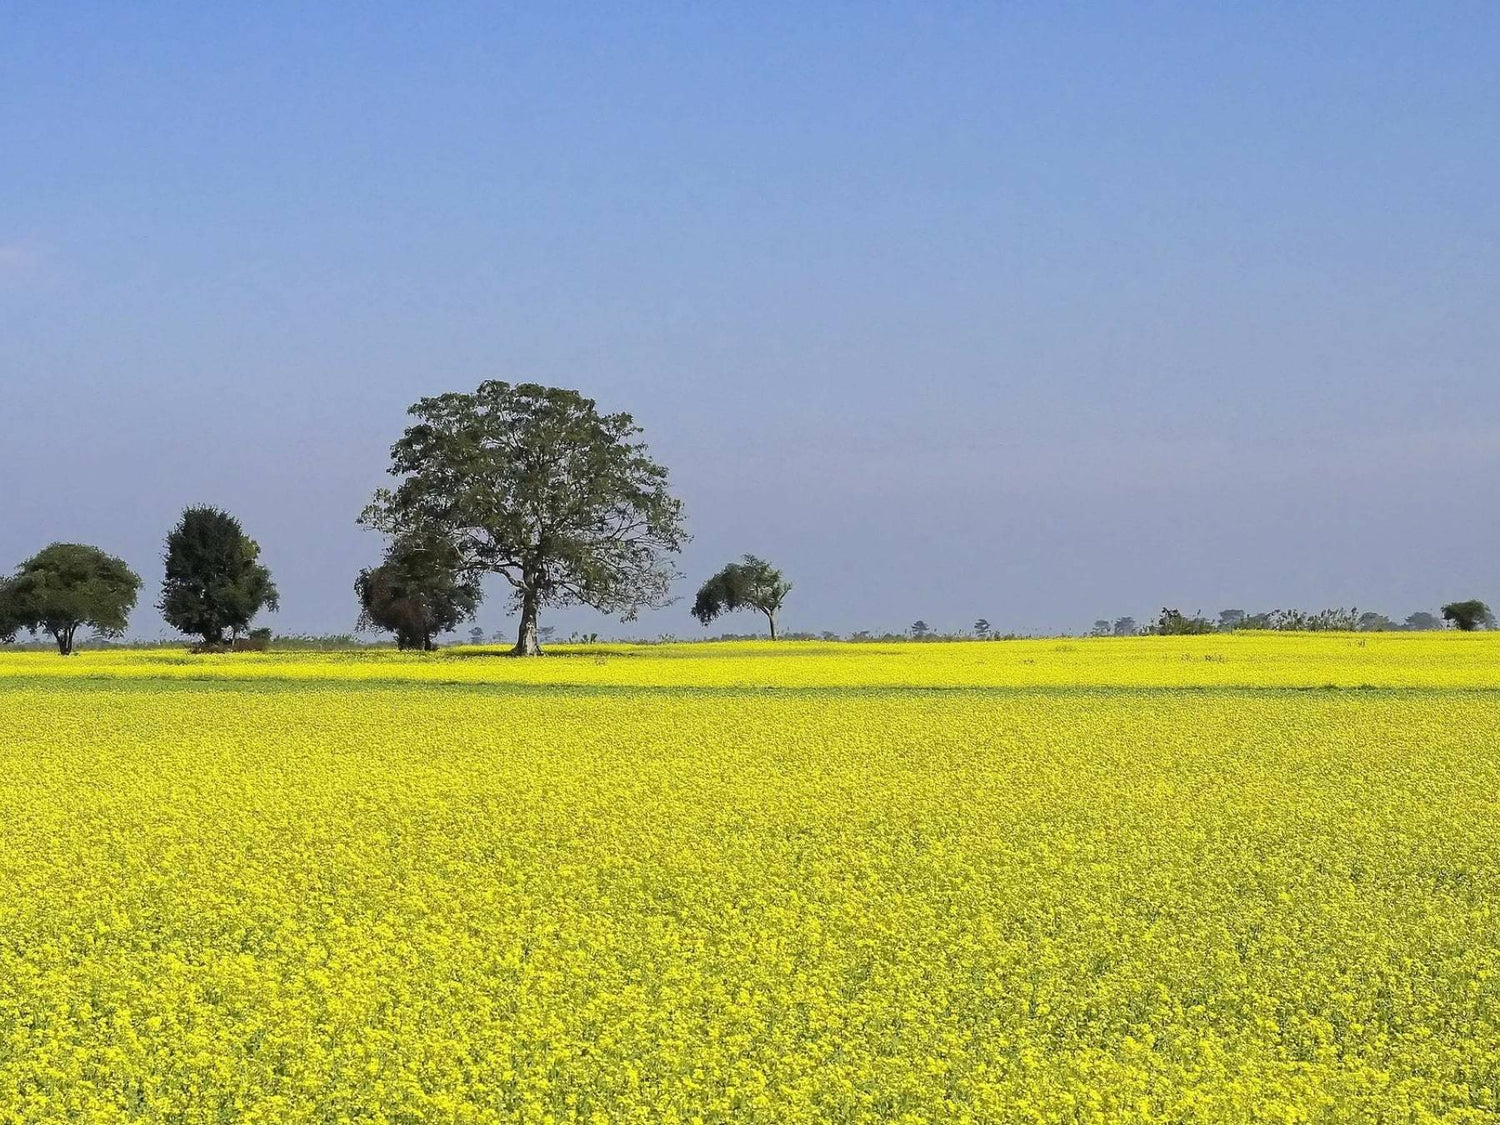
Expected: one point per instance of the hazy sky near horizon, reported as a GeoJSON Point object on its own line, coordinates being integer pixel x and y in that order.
{"type": "Point", "coordinates": [1033, 311]}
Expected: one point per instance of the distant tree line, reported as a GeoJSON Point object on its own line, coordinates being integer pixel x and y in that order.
{"type": "Point", "coordinates": [526, 483]}
{"type": "Point", "coordinates": [1466, 615]}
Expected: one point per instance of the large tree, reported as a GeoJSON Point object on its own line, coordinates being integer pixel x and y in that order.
{"type": "Point", "coordinates": [1469, 615]}
{"type": "Point", "coordinates": [419, 591]}
{"type": "Point", "coordinates": [532, 483]}
{"type": "Point", "coordinates": [751, 583]}
{"type": "Point", "coordinates": [215, 580]}
{"type": "Point", "coordinates": [64, 586]}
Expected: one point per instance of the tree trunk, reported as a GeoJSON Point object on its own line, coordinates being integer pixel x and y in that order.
{"type": "Point", "coordinates": [771, 617]}
{"type": "Point", "coordinates": [526, 639]}
{"type": "Point", "coordinates": [64, 638]}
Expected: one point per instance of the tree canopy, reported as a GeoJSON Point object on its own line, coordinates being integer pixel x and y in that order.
{"type": "Point", "coordinates": [419, 591]}
{"type": "Point", "coordinates": [532, 483]}
{"type": "Point", "coordinates": [215, 580]}
{"type": "Point", "coordinates": [64, 586]}
{"type": "Point", "coordinates": [1470, 615]}
{"type": "Point", "coordinates": [751, 583]}
{"type": "Point", "coordinates": [1173, 622]}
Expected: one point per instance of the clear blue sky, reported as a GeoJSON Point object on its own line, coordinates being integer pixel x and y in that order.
{"type": "Point", "coordinates": [1043, 312]}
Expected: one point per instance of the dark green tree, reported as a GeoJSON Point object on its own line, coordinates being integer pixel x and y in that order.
{"type": "Point", "coordinates": [64, 586]}
{"type": "Point", "coordinates": [982, 629]}
{"type": "Point", "coordinates": [1470, 615]}
{"type": "Point", "coordinates": [751, 583]}
{"type": "Point", "coordinates": [419, 591]}
{"type": "Point", "coordinates": [215, 580]}
{"type": "Point", "coordinates": [1175, 623]}
{"type": "Point", "coordinates": [1422, 621]}
{"type": "Point", "coordinates": [532, 483]}
{"type": "Point", "coordinates": [919, 630]}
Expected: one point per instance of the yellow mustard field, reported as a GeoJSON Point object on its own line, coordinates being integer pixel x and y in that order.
{"type": "Point", "coordinates": [1092, 881]}
{"type": "Point", "coordinates": [1433, 660]}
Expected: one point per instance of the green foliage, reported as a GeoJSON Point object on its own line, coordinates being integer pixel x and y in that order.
{"type": "Point", "coordinates": [1470, 615]}
{"type": "Point", "coordinates": [1422, 622]}
{"type": "Point", "coordinates": [532, 483]}
{"type": "Point", "coordinates": [418, 592]}
{"type": "Point", "coordinates": [1175, 623]}
{"type": "Point", "coordinates": [64, 586]}
{"type": "Point", "coordinates": [1334, 620]}
{"type": "Point", "coordinates": [215, 580]}
{"type": "Point", "coordinates": [751, 583]}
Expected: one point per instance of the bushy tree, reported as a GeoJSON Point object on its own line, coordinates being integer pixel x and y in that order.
{"type": "Point", "coordinates": [1125, 627]}
{"type": "Point", "coordinates": [1372, 622]}
{"type": "Point", "coordinates": [1470, 615]}
{"type": "Point", "coordinates": [65, 586]}
{"type": "Point", "coordinates": [982, 629]}
{"type": "Point", "coordinates": [1422, 622]}
{"type": "Point", "coordinates": [1175, 623]}
{"type": "Point", "coordinates": [215, 580]}
{"type": "Point", "coordinates": [1101, 628]}
{"type": "Point", "coordinates": [751, 583]}
{"type": "Point", "coordinates": [418, 592]}
{"type": "Point", "coordinates": [919, 630]}
{"type": "Point", "coordinates": [532, 483]}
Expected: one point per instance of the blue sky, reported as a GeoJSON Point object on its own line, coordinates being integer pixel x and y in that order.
{"type": "Point", "coordinates": [1038, 312]}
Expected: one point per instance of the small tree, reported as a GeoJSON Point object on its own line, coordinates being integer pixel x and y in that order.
{"type": "Point", "coordinates": [1100, 629]}
{"type": "Point", "coordinates": [1372, 622]}
{"type": "Point", "coordinates": [64, 586]}
{"type": "Point", "coordinates": [1470, 615]}
{"type": "Point", "coordinates": [751, 583]}
{"type": "Point", "coordinates": [1422, 622]}
{"type": "Point", "coordinates": [1231, 619]}
{"type": "Point", "coordinates": [919, 630]}
{"type": "Point", "coordinates": [532, 483]}
{"type": "Point", "coordinates": [1125, 627]}
{"type": "Point", "coordinates": [982, 629]}
{"type": "Point", "coordinates": [416, 593]}
{"type": "Point", "coordinates": [215, 580]}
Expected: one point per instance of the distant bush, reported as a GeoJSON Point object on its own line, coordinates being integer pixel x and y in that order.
{"type": "Point", "coordinates": [258, 640]}
{"type": "Point", "coordinates": [1175, 623]}
{"type": "Point", "coordinates": [1302, 621]}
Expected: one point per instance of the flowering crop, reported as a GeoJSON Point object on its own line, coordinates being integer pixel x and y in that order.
{"type": "Point", "coordinates": [1264, 660]}
{"type": "Point", "coordinates": [754, 884]}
